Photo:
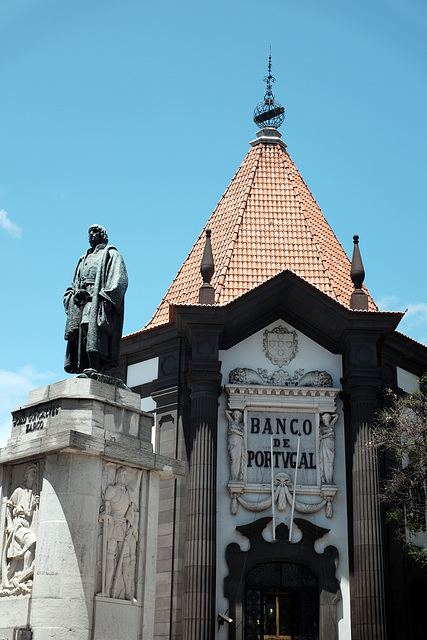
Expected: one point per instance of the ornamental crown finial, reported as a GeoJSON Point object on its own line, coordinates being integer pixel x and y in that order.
{"type": "Point", "coordinates": [269, 113]}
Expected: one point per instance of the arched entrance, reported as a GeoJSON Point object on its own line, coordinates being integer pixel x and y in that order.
{"type": "Point", "coordinates": [281, 602]}
{"type": "Point", "coordinates": [284, 580]}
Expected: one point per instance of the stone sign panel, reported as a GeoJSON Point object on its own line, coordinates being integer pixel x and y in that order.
{"type": "Point", "coordinates": [33, 419]}
{"type": "Point", "coordinates": [277, 432]}
{"type": "Point", "coordinates": [272, 440]}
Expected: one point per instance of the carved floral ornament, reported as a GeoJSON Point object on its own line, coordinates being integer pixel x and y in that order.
{"type": "Point", "coordinates": [244, 375]}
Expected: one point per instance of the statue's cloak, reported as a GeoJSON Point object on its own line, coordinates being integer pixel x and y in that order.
{"type": "Point", "coordinates": [105, 322]}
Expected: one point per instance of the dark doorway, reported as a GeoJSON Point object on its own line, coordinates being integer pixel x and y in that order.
{"type": "Point", "coordinates": [418, 594]}
{"type": "Point", "coordinates": [281, 603]}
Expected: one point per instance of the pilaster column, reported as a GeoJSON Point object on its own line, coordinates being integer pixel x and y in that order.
{"type": "Point", "coordinates": [367, 525]}
{"type": "Point", "coordinates": [200, 549]}
{"type": "Point", "coordinates": [368, 587]}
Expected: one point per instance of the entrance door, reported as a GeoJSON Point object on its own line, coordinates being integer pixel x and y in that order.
{"type": "Point", "coordinates": [281, 603]}
{"type": "Point", "coordinates": [280, 615]}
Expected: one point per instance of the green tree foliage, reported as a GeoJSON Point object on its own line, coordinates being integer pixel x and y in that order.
{"type": "Point", "coordinates": [400, 434]}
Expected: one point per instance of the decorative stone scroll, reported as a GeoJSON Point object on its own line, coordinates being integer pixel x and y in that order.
{"type": "Point", "coordinates": [265, 424]}
{"type": "Point", "coordinates": [119, 521]}
{"type": "Point", "coordinates": [283, 491]}
{"type": "Point", "coordinates": [18, 553]}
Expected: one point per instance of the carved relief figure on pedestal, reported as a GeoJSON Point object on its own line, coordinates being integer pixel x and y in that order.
{"type": "Point", "coordinates": [236, 444]}
{"type": "Point", "coordinates": [119, 520]}
{"type": "Point", "coordinates": [327, 447]}
{"type": "Point", "coordinates": [17, 562]}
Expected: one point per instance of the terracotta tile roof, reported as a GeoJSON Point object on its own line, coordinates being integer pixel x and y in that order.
{"type": "Point", "coordinates": [266, 221]}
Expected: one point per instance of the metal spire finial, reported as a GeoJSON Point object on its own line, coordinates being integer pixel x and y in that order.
{"type": "Point", "coordinates": [269, 95]}
{"type": "Point", "coordinates": [269, 113]}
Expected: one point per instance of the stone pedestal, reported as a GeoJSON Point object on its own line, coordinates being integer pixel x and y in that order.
{"type": "Point", "coordinates": [79, 511]}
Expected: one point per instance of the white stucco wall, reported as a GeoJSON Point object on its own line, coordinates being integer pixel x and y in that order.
{"type": "Point", "coordinates": [142, 373]}
{"type": "Point", "coordinates": [249, 353]}
{"type": "Point", "coordinates": [407, 381]}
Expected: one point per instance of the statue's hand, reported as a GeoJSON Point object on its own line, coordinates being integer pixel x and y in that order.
{"type": "Point", "coordinates": [106, 518]}
{"type": "Point", "coordinates": [81, 297]}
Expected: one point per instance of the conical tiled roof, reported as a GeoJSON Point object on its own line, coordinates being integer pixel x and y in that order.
{"type": "Point", "coordinates": [267, 221]}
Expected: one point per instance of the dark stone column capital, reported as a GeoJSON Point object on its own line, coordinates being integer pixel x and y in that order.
{"type": "Point", "coordinates": [204, 378]}
{"type": "Point", "coordinates": [204, 341]}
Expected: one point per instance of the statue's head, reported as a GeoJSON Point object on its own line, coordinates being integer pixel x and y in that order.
{"type": "Point", "coordinates": [30, 474]}
{"type": "Point", "coordinates": [97, 235]}
{"type": "Point", "coordinates": [121, 475]}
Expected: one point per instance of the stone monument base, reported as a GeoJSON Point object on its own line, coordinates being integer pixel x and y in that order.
{"type": "Point", "coordinates": [79, 512]}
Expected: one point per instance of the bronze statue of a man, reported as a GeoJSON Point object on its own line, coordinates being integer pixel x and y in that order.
{"type": "Point", "coordinates": [94, 304]}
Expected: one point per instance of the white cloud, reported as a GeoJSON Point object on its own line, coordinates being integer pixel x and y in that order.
{"type": "Point", "coordinates": [15, 386]}
{"type": "Point", "coordinates": [60, 195]}
{"type": "Point", "coordinates": [417, 312]}
{"type": "Point", "coordinates": [414, 322]}
{"type": "Point", "coordinates": [388, 303]}
{"type": "Point", "coordinates": [10, 227]}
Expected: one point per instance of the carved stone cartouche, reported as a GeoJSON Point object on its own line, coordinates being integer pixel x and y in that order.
{"type": "Point", "coordinates": [280, 345]}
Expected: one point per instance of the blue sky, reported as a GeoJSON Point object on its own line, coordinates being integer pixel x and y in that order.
{"type": "Point", "coordinates": [137, 114]}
